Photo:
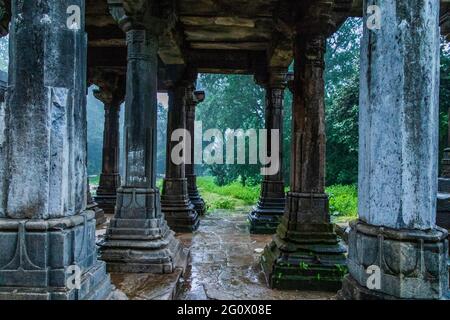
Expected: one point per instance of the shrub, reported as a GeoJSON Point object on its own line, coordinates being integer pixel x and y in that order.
{"type": "Point", "coordinates": [343, 200]}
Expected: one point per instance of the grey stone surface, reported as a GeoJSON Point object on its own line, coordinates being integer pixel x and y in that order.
{"type": "Point", "coordinates": [399, 101]}
{"type": "Point", "coordinates": [266, 215]}
{"type": "Point", "coordinates": [138, 238]}
{"type": "Point", "coordinates": [37, 256]}
{"type": "Point", "coordinates": [175, 203]}
{"type": "Point", "coordinates": [413, 263]}
{"type": "Point", "coordinates": [44, 226]}
{"type": "Point", "coordinates": [398, 149]}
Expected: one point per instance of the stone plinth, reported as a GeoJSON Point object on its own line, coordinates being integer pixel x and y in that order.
{"type": "Point", "coordinates": [267, 214]}
{"type": "Point", "coordinates": [305, 254]}
{"type": "Point", "coordinates": [194, 194]}
{"type": "Point", "coordinates": [37, 257]}
{"type": "Point", "coordinates": [179, 211]}
{"type": "Point", "coordinates": [413, 263]}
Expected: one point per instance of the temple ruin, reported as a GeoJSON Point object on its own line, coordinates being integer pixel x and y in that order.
{"type": "Point", "coordinates": [131, 50]}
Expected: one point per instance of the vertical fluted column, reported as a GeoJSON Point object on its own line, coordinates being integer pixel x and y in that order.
{"type": "Point", "coordinates": [306, 253]}
{"type": "Point", "coordinates": [112, 94]}
{"type": "Point", "coordinates": [266, 216]}
{"type": "Point", "coordinates": [45, 229]}
{"type": "Point", "coordinates": [138, 238]}
{"type": "Point", "coordinates": [176, 205]}
{"type": "Point", "coordinates": [396, 233]}
{"type": "Point", "coordinates": [194, 194]}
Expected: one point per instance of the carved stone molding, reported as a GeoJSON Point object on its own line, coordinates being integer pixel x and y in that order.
{"type": "Point", "coordinates": [413, 263]}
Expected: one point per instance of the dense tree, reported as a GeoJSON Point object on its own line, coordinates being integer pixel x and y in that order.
{"type": "Point", "coordinates": [342, 100]}
{"type": "Point", "coordinates": [236, 102]}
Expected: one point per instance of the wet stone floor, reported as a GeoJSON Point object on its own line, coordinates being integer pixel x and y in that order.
{"type": "Point", "coordinates": [224, 262]}
{"type": "Point", "coordinates": [223, 265]}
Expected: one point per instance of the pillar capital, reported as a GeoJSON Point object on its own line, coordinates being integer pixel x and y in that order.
{"type": "Point", "coordinates": [277, 77]}
{"type": "Point", "coordinates": [111, 88]}
{"type": "Point", "coordinates": [317, 19]}
{"type": "Point", "coordinates": [147, 15]}
{"type": "Point", "coordinates": [272, 78]}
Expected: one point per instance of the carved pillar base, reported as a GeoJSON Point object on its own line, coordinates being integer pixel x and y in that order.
{"type": "Point", "coordinates": [36, 256]}
{"type": "Point", "coordinates": [180, 213]}
{"type": "Point", "coordinates": [266, 216]}
{"type": "Point", "coordinates": [138, 239]}
{"type": "Point", "coordinates": [93, 206]}
{"type": "Point", "coordinates": [100, 217]}
{"type": "Point", "coordinates": [107, 192]}
{"type": "Point", "coordinates": [194, 195]}
{"type": "Point", "coordinates": [305, 254]}
{"type": "Point", "coordinates": [413, 263]}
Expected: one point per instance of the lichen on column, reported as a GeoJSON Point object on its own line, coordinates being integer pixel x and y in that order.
{"type": "Point", "coordinates": [398, 149]}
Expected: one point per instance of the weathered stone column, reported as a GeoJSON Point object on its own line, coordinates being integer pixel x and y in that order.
{"type": "Point", "coordinates": [93, 206]}
{"type": "Point", "coordinates": [443, 197]}
{"type": "Point", "coordinates": [46, 234]}
{"type": "Point", "coordinates": [194, 194]}
{"type": "Point", "coordinates": [178, 209]}
{"type": "Point", "coordinates": [399, 96]}
{"type": "Point", "coordinates": [3, 86]}
{"type": "Point", "coordinates": [138, 238]}
{"type": "Point", "coordinates": [112, 94]}
{"type": "Point", "coordinates": [266, 216]}
{"type": "Point", "coordinates": [306, 252]}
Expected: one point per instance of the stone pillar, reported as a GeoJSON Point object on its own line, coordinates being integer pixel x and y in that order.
{"type": "Point", "coordinates": [178, 209]}
{"type": "Point", "coordinates": [46, 233]}
{"type": "Point", "coordinates": [306, 252]}
{"type": "Point", "coordinates": [3, 85]}
{"type": "Point", "coordinates": [194, 194]}
{"type": "Point", "coordinates": [93, 206]}
{"type": "Point", "coordinates": [138, 238]}
{"type": "Point", "coordinates": [266, 216]}
{"type": "Point", "coordinates": [112, 94]}
{"type": "Point", "coordinates": [398, 154]}
{"type": "Point", "coordinates": [443, 198]}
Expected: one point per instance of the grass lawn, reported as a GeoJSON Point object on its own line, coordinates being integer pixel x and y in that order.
{"type": "Point", "coordinates": [343, 199]}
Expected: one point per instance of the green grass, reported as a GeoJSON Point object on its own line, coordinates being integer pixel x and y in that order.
{"type": "Point", "coordinates": [343, 202]}
{"type": "Point", "coordinates": [343, 198]}
{"type": "Point", "coordinates": [94, 180]}
{"type": "Point", "coordinates": [230, 197]}
{"type": "Point", "coordinates": [248, 195]}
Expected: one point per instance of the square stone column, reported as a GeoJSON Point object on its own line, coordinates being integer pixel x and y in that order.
{"type": "Point", "coordinates": [138, 238]}
{"type": "Point", "coordinates": [266, 215]}
{"type": "Point", "coordinates": [306, 252]}
{"type": "Point", "coordinates": [194, 194]}
{"type": "Point", "coordinates": [112, 93]}
{"type": "Point", "coordinates": [176, 205]}
{"type": "Point", "coordinates": [47, 237]}
{"type": "Point", "coordinates": [396, 234]}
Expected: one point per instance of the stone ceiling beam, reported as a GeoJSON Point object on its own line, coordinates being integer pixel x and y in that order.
{"type": "Point", "coordinates": [227, 61]}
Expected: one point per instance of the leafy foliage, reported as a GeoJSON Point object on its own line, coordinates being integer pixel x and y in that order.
{"type": "Point", "coordinates": [343, 200]}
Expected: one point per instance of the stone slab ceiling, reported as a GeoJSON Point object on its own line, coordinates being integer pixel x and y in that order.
{"type": "Point", "coordinates": [212, 35]}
